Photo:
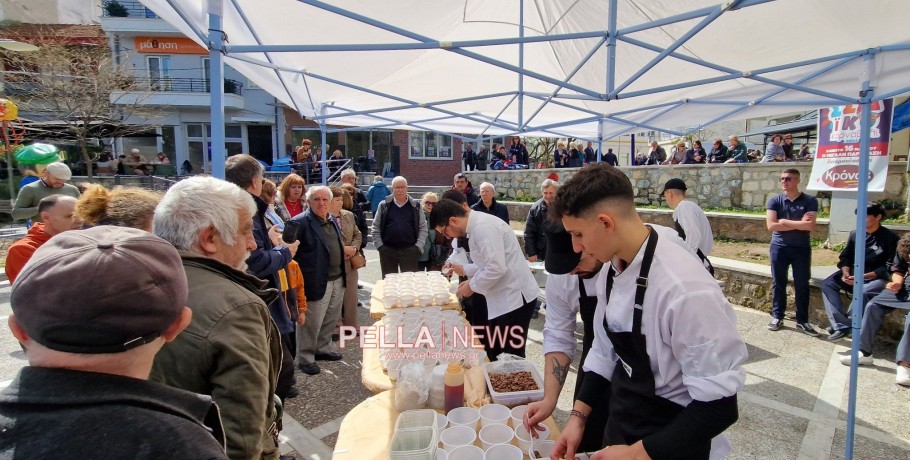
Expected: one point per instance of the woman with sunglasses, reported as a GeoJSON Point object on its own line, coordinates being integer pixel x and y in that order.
{"type": "Point", "coordinates": [437, 247]}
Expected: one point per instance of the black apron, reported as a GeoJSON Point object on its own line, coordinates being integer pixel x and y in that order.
{"type": "Point", "coordinates": [592, 440]}
{"type": "Point", "coordinates": [701, 255]}
{"type": "Point", "coordinates": [635, 410]}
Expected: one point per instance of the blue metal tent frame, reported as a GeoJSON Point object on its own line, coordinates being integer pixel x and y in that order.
{"type": "Point", "coordinates": [613, 90]}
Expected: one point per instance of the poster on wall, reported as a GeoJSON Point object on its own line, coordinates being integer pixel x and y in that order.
{"type": "Point", "coordinates": [836, 165]}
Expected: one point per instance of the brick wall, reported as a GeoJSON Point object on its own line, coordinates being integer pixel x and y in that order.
{"type": "Point", "coordinates": [427, 172]}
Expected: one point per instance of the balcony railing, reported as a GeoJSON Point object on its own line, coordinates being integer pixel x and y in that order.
{"type": "Point", "coordinates": [126, 9]}
{"type": "Point", "coordinates": [187, 85]}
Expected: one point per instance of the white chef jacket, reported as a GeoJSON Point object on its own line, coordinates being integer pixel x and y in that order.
{"type": "Point", "coordinates": [498, 269]}
{"type": "Point", "coordinates": [695, 348]}
{"type": "Point", "coordinates": [562, 308]}
{"type": "Point", "coordinates": [695, 223]}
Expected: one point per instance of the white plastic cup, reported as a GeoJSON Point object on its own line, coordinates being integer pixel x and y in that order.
{"type": "Point", "coordinates": [464, 416]}
{"type": "Point", "coordinates": [441, 454]}
{"type": "Point", "coordinates": [494, 414]}
{"type": "Point", "coordinates": [441, 422]}
{"type": "Point", "coordinates": [504, 452]}
{"type": "Point", "coordinates": [466, 453]}
{"type": "Point", "coordinates": [492, 435]}
{"type": "Point", "coordinates": [518, 415]}
{"type": "Point", "coordinates": [545, 448]}
{"type": "Point", "coordinates": [456, 436]}
{"type": "Point", "coordinates": [393, 367]}
{"type": "Point", "coordinates": [524, 437]}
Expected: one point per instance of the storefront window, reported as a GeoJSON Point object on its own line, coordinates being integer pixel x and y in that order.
{"type": "Point", "coordinates": [430, 146]}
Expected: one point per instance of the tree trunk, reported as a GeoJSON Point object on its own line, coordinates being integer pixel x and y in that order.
{"type": "Point", "coordinates": [83, 145]}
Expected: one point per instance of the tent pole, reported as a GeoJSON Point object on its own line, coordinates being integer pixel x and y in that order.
{"type": "Point", "coordinates": [611, 50]}
{"type": "Point", "coordinates": [862, 198]}
{"type": "Point", "coordinates": [216, 88]}
{"type": "Point", "coordinates": [521, 64]}
{"type": "Point", "coordinates": [600, 130]}
{"type": "Point", "coordinates": [325, 149]}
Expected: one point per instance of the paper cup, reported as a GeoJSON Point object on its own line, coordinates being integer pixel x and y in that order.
{"type": "Point", "coordinates": [494, 414]}
{"type": "Point", "coordinates": [456, 436]}
{"type": "Point", "coordinates": [495, 434]}
{"type": "Point", "coordinates": [504, 452]}
{"type": "Point", "coordinates": [463, 416]}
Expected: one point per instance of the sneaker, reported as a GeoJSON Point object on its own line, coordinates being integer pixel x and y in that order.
{"type": "Point", "coordinates": [309, 369]}
{"type": "Point", "coordinates": [807, 329]}
{"type": "Point", "coordinates": [838, 334]}
{"type": "Point", "coordinates": [863, 360]}
{"type": "Point", "coordinates": [903, 376]}
{"type": "Point", "coordinates": [775, 324]}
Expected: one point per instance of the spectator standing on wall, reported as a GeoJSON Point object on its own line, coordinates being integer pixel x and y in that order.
{"type": "Point", "coordinates": [576, 158]}
{"type": "Point", "coordinates": [469, 157]}
{"type": "Point", "coordinates": [517, 152]}
{"type": "Point", "coordinates": [590, 154]}
{"type": "Point", "coordinates": [560, 156]}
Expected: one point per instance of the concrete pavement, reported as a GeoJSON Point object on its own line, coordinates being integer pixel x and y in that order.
{"type": "Point", "coordinates": [792, 407]}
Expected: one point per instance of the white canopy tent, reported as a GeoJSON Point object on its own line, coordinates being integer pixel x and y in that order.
{"type": "Point", "coordinates": [591, 69]}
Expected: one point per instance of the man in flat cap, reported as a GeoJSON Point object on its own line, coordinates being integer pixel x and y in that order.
{"type": "Point", "coordinates": [52, 182]}
{"type": "Point", "coordinates": [90, 347]}
{"type": "Point", "coordinates": [232, 349]}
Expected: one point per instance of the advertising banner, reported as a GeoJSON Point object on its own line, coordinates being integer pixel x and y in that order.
{"type": "Point", "coordinates": [168, 45]}
{"type": "Point", "coordinates": [836, 165]}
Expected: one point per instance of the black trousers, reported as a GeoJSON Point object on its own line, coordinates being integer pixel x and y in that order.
{"type": "Point", "coordinates": [392, 260]}
{"type": "Point", "coordinates": [515, 322]}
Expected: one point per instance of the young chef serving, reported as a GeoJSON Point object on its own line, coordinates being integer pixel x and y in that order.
{"type": "Point", "coordinates": [666, 350]}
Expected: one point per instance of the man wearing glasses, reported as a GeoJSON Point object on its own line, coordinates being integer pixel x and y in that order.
{"type": "Point", "coordinates": [791, 218]}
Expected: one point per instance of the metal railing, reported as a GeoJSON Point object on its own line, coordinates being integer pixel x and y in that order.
{"type": "Point", "coordinates": [126, 9]}
{"type": "Point", "coordinates": [187, 85]}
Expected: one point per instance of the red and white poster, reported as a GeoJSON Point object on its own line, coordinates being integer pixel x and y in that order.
{"type": "Point", "coordinates": [836, 165]}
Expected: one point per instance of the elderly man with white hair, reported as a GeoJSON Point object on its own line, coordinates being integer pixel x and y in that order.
{"type": "Point", "coordinates": [399, 230]}
{"type": "Point", "coordinates": [231, 349]}
{"type": "Point", "coordinates": [349, 176]}
{"type": "Point", "coordinates": [321, 257]}
{"type": "Point", "coordinates": [52, 182]}
{"type": "Point", "coordinates": [488, 204]}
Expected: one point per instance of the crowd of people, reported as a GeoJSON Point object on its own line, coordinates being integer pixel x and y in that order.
{"type": "Point", "coordinates": [223, 287]}
{"type": "Point", "coordinates": [780, 149]}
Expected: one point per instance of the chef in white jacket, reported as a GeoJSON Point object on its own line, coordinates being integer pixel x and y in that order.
{"type": "Point", "coordinates": [498, 270]}
{"type": "Point", "coordinates": [666, 350]}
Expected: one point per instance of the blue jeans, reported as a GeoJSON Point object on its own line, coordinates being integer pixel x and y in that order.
{"type": "Point", "coordinates": [782, 257]}
{"type": "Point", "coordinates": [874, 316]}
{"type": "Point", "coordinates": [834, 307]}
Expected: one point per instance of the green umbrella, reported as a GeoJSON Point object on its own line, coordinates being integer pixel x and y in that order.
{"type": "Point", "coordinates": [37, 154]}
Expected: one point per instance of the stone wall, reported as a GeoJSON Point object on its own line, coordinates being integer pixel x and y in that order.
{"type": "Point", "coordinates": [746, 186]}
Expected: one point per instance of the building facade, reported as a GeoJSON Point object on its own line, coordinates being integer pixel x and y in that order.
{"type": "Point", "coordinates": [175, 71]}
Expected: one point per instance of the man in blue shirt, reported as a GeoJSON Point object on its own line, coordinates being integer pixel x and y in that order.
{"type": "Point", "coordinates": [791, 218]}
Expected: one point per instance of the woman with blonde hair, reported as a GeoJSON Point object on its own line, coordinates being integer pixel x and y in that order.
{"type": "Point", "coordinates": [123, 206]}
{"type": "Point", "coordinates": [350, 238]}
{"type": "Point", "coordinates": [291, 197]}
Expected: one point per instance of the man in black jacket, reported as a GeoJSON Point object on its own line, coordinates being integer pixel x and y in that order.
{"type": "Point", "coordinates": [463, 185]}
{"type": "Point", "coordinates": [270, 257]}
{"type": "Point", "coordinates": [488, 203]}
{"type": "Point", "coordinates": [881, 245]}
{"type": "Point", "coordinates": [535, 227]}
{"type": "Point", "coordinates": [85, 393]}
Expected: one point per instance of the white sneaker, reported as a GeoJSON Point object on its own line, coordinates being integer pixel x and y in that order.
{"type": "Point", "coordinates": [903, 376]}
{"type": "Point", "coordinates": [863, 360]}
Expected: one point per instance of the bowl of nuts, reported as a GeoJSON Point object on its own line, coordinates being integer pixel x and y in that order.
{"type": "Point", "coordinates": [513, 383]}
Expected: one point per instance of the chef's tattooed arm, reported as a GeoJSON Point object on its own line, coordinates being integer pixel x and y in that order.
{"type": "Point", "coordinates": [560, 371]}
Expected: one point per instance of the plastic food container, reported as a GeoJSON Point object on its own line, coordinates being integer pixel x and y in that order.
{"type": "Point", "coordinates": [516, 398]}
{"type": "Point", "coordinates": [412, 444]}
{"type": "Point", "coordinates": [420, 418]}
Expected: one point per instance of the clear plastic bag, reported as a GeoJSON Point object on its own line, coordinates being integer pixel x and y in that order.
{"type": "Point", "coordinates": [413, 387]}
